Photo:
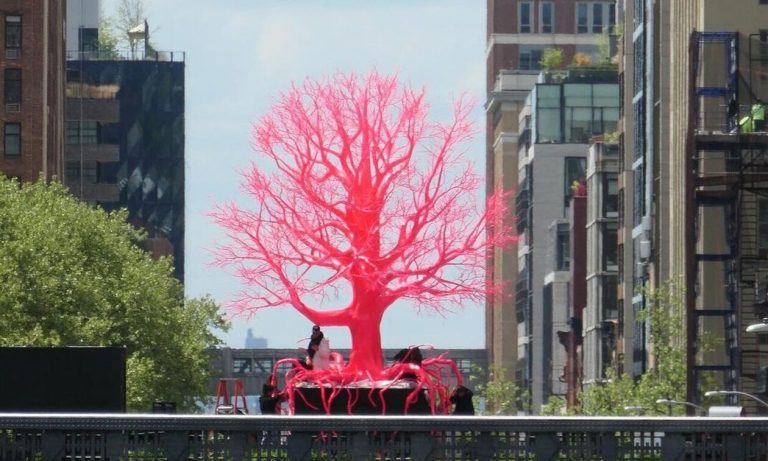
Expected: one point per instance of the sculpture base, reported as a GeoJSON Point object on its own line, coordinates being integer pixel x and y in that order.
{"type": "Point", "coordinates": [386, 398]}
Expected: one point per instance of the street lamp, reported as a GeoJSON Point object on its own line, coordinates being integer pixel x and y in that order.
{"type": "Point", "coordinates": [671, 402]}
{"type": "Point", "coordinates": [719, 392]}
{"type": "Point", "coordinates": [635, 409]}
{"type": "Point", "coordinates": [759, 327]}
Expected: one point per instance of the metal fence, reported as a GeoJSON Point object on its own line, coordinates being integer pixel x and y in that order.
{"type": "Point", "coordinates": [196, 437]}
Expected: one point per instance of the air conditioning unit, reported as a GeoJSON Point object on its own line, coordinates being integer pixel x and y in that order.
{"type": "Point", "coordinates": [12, 107]}
{"type": "Point", "coordinates": [12, 53]}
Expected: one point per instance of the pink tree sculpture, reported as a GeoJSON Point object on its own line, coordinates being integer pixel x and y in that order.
{"type": "Point", "coordinates": [367, 196]}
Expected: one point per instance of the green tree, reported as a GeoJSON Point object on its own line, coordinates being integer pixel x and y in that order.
{"type": "Point", "coordinates": [502, 396]}
{"type": "Point", "coordinates": [665, 378]}
{"type": "Point", "coordinates": [108, 43]}
{"type": "Point", "coordinates": [72, 274]}
{"type": "Point", "coordinates": [551, 59]}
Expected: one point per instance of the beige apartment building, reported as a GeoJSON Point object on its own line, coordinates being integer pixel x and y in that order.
{"type": "Point", "coordinates": [691, 181]}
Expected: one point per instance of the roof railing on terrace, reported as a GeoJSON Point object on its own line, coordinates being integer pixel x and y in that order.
{"type": "Point", "coordinates": [127, 55]}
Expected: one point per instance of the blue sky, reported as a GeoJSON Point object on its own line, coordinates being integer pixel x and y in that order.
{"type": "Point", "coordinates": [241, 53]}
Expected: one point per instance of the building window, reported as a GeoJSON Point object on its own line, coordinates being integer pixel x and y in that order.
{"type": "Point", "coordinates": [548, 114]}
{"type": "Point", "coordinates": [12, 32]}
{"type": "Point", "coordinates": [638, 195]}
{"type": "Point", "coordinates": [89, 39]}
{"type": "Point", "coordinates": [12, 139]}
{"type": "Point", "coordinates": [530, 58]}
{"type": "Point", "coordinates": [762, 226]}
{"type": "Point", "coordinates": [242, 366]}
{"type": "Point", "coordinates": [85, 132]}
{"type": "Point", "coordinates": [610, 195]}
{"type": "Point", "coordinates": [563, 248]}
{"type": "Point", "coordinates": [582, 18]}
{"type": "Point", "coordinates": [464, 366]}
{"type": "Point", "coordinates": [547, 17]}
{"type": "Point", "coordinates": [597, 18]}
{"type": "Point", "coordinates": [12, 86]}
{"type": "Point", "coordinates": [591, 17]}
{"type": "Point", "coordinates": [525, 14]}
{"type": "Point", "coordinates": [575, 173]}
{"type": "Point", "coordinates": [612, 17]}
{"type": "Point", "coordinates": [610, 247]}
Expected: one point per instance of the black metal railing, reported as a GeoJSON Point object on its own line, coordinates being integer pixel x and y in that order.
{"type": "Point", "coordinates": [177, 437]}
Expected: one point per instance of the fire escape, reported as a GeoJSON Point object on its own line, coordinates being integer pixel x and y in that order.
{"type": "Point", "coordinates": [728, 183]}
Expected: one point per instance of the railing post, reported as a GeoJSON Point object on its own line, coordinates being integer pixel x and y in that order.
{"type": "Point", "coordinates": [422, 446]}
{"type": "Point", "coordinates": [672, 446]}
{"type": "Point", "coordinates": [238, 442]}
{"type": "Point", "coordinates": [299, 445]}
{"type": "Point", "coordinates": [52, 444]}
{"type": "Point", "coordinates": [546, 446]}
{"type": "Point", "coordinates": [115, 442]}
{"type": "Point", "coordinates": [608, 446]}
{"type": "Point", "coordinates": [484, 447]}
{"type": "Point", "coordinates": [358, 445]}
{"type": "Point", "coordinates": [176, 445]}
{"type": "Point", "coordinates": [734, 446]}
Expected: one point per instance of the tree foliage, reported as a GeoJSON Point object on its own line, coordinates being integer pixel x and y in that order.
{"type": "Point", "coordinates": [368, 197]}
{"type": "Point", "coordinates": [552, 58]}
{"type": "Point", "coordinates": [73, 275]}
{"type": "Point", "coordinates": [501, 395]}
{"type": "Point", "coordinates": [665, 377]}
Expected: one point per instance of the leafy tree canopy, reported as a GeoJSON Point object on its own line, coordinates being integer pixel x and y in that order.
{"type": "Point", "coordinates": [72, 274]}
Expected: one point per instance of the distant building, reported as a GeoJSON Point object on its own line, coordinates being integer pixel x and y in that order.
{"type": "Point", "coordinates": [125, 142]}
{"type": "Point", "coordinates": [83, 19]}
{"type": "Point", "coordinates": [562, 114]}
{"type": "Point", "coordinates": [32, 69]}
{"type": "Point", "coordinates": [254, 342]}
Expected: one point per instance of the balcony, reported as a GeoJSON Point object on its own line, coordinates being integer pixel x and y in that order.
{"type": "Point", "coordinates": [137, 436]}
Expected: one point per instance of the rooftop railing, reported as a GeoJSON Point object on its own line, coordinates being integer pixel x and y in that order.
{"type": "Point", "coordinates": [126, 55]}
{"type": "Point", "coordinates": [174, 437]}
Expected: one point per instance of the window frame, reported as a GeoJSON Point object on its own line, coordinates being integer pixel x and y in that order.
{"type": "Point", "coordinates": [534, 53]}
{"type": "Point", "coordinates": [520, 6]}
{"type": "Point", "coordinates": [18, 25]}
{"type": "Point", "coordinates": [585, 6]}
{"type": "Point", "coordinates": [605, 17]}
{"type": "Point", "coordinates": [542, 25]}
{"type": "Point", "coordinates": [7, 135]}
{"type": "Point", "coordinates": [8, 93]}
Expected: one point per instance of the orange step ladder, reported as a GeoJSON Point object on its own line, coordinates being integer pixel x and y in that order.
{"type": "Point", "coordinates": [230, 404]}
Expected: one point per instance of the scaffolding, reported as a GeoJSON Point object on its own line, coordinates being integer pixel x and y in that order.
{"type": "Point", "coordinates": [728, 164]}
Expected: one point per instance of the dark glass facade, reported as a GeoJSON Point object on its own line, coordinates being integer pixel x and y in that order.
{"type": "Point", "coordinates": [149, 173]}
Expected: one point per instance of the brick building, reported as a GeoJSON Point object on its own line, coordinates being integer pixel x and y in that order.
{"type": "Point", "coordinates": [32, 68]}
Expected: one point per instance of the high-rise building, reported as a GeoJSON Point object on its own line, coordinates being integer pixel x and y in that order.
{"type": "Point", "coordinates": [83, 20]}
{"type": "Point", "coordinates": [694, 153]}
{"type": "Point", "coordinates": [564, 111]}
{"type": "Point", "coordinates": [518, 33]}
{"type": "Point", "coordinates": [125, 141]}
{"type": "Point", "coordinates": [32, 71]}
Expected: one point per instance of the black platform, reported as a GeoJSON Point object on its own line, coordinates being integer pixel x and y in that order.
{"type": "Point", "coordinates": [394, 399]}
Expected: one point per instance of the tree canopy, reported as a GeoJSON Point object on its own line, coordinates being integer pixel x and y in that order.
{"type": "Point", "coordinates": [72, 274]}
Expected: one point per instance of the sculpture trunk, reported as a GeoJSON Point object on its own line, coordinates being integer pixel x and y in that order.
{"type": "Point", "coordinates": [366, 355]}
